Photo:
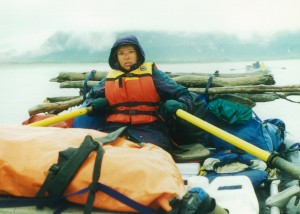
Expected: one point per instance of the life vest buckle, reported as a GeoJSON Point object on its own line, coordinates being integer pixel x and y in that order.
{"type": "Point", "coordinates": [132, 112]}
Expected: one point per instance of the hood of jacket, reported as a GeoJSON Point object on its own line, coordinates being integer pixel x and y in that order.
{"type": "Point", "coordinates": [126, 40]}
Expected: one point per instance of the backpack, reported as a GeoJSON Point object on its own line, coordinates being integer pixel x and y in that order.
{"type": "Point", "coordinates": [267, 134]}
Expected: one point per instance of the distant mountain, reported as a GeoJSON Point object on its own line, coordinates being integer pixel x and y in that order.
{"type": "Point", "coordinates": [167, 47]}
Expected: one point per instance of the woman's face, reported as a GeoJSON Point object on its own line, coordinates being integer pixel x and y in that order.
{"type": "Point", "coordinates": [127, 56]}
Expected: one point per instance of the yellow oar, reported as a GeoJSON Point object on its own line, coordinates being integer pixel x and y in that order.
{"type": "Point", "coordinates": [272, 159]}
{"type": "Point", "coordinates": [63, 117]}
{"type": "Point", "coordinates": [238, 142]}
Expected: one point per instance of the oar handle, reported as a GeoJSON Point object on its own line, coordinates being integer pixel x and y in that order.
{"type": "Point", "coordinates": [286, 166]}
{"type": "Point", "coordinates": [63, 117]}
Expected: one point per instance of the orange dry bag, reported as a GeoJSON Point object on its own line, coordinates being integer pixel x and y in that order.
{"type": "Point", "coordinates": [146, 174]}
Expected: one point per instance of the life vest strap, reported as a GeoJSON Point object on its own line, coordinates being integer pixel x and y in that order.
{"type": "Point", "coordinates": [131, 104]}
{"type": "Point", "coordinates": [134, 112]}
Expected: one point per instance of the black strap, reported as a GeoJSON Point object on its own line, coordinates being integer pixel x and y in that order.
{"type": "Point", "coordinates": [94, 185]}
{"type": "Point", "coordinates": [69, 161]}
{"type": "Point", "coordinates": [126, 200]}
{"type": "Point", "coordinates": [111, 136]}
{"type": "Point", "coordinates": [209, 81]}
{"type": "Point", "coordinates": [97, 167]}
{"type": "Point", "coordinates": [22, 202]}
{"type": "Point", "coordinates": [128, 75]}
{"type": "Point", "coordinates": [61, 174]}
{"type": "Point", "coordinates": [120, 77]}
{"type": "Point", "coordinates": [90, 76]}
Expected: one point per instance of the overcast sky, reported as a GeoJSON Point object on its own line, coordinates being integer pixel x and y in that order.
{"type": "Point", "coordinates": [26, 24]}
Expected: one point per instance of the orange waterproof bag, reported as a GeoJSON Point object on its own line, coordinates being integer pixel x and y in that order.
{"type": "Point", "coordinates": [147, 174]}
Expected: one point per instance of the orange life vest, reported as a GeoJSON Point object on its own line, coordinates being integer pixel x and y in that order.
{"type": "Point", "coordinates": [132, 96]}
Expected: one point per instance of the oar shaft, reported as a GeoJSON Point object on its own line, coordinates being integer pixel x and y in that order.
{"type": "Point", "coordinates": [286, 166]}
{"type": "Point", "coordinates": [274, 161]}
{"type": "Point", "coordinates": [240, 143]}
{"type": "Point", "coordinates": [60, 118]}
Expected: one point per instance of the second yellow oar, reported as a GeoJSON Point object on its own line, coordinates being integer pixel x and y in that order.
{"type": "Point", "coordinates": [273, 160]}
{"type": "Point", "coordinates": [240, 143]}
{"type": "Point", "coordinates": [60, 118]}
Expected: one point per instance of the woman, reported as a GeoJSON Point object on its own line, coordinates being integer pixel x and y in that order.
{"type": "Point", "coordinates": [132, 93]}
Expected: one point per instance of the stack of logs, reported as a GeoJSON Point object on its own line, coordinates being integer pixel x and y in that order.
{"type": "Point", "coordinates": [245, 88]}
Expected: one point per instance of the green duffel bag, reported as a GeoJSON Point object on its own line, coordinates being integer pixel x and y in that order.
{"type": "Point", "coordinates": [230, 112]}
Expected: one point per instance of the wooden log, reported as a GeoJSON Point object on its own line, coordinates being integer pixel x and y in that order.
{"type": "Point", "coordinates": [237, 98]}
{"type": "Point", "coordinates": [59, 99]}
{"type": "Point", "coordinates": [250, 100]}
{"type": "Point", "coordinates": [247, 89]}
{"type": "Point", "coordinates": [196, 81]}
{"type": "Point", "coordinates": [55, 107]}
{"type": "Point", "coordinates": [78, 84]}
{"type": "Point", "coordinates": [220, 74]}
{"type": "Point", "coordinates": [264, 97]}
{"type": "Point", "coordinates": [246, 99]}
{"type": "Point", "coordinates": [76, 76]}
{"type": "Point", "coordinates": [243, 98]}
